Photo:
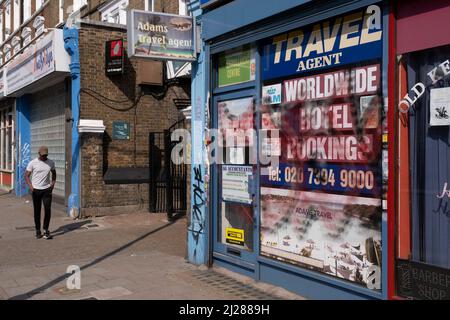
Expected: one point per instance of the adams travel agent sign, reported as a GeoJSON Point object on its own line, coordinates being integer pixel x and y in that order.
{"type": "Point", "coordinates": [39, 60]}
{"type": "Point", "coordinates": [160, 36]}
{"type": "Point", "coordinates": [336, 42]}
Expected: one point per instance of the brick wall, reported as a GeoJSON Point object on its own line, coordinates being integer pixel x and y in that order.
{"type": "Point", "coordinates": [100, 152]}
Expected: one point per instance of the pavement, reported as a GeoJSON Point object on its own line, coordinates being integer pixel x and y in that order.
{"type": "Point", "coordinates": [138, 256]}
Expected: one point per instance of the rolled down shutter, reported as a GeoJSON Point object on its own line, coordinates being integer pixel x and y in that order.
{"type": "Point", "coordinates": [48, 128]}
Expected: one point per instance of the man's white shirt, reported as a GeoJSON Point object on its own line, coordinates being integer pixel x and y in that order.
{"type": "Point", "coordinates": [40, 173]}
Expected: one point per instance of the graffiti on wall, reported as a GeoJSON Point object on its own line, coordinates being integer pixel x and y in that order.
{"type": "Point", "coordinates": [198, 220]}
{"type": "Point", "coordinates": [25, 154]}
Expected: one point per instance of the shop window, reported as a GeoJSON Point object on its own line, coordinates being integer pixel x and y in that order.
{"type": "Point", "coordinates": [150, 5]}
{"type": "Point", "coordinates": [6, 140]}
{"type": "Point", "coordinates": [321, 204]}
{"type": "Point", "coordinates": [423, 216]}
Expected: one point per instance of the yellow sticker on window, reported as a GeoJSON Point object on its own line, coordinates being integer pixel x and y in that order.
{"type": "Point", "coordinates": [235, 236]}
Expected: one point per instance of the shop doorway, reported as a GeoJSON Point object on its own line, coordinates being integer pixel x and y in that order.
{"type": "Point", "coordinates": [167, 180]}
{"type": "Point", "coordinates": [234, 171]}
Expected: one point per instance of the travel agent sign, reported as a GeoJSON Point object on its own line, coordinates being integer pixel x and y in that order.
{"type": "Point", "coordinates": [160, 36]}
{"type": "Point", "coordinates": [331, 43]}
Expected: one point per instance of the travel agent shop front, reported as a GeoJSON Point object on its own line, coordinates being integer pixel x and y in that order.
{"type": "Point", "coordinates": [37, 77]}
{"type": "Point", "coordinates": [311, 79]}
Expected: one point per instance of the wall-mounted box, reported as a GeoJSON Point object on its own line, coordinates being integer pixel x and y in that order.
{"type": "Point", "coordinates": [149, 72]}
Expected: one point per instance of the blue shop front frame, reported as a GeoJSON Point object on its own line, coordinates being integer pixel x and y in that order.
{"type": "Point", "coordinates": [307, 283]}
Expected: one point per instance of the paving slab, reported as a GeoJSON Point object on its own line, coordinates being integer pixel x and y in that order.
{"type": "Point", "coordinates": [110, 293]}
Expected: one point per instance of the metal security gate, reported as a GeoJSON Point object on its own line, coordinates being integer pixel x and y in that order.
{"type": "Point", "coordinates": [167, 180]}
{"type": "Point", "coordinates": [47, 113]}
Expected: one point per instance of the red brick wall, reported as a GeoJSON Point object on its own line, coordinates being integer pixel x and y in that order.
{"type": "Point", "coordinates": [100, 152]}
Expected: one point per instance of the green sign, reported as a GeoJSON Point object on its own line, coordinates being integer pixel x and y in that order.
{"type": "Point", "coordinates": [121, 130]}
{"type": "Point", "coordinates": [237, 66]}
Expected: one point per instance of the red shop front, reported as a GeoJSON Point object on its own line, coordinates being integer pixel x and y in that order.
{"type": "Point", "coordinates": [421, 147]}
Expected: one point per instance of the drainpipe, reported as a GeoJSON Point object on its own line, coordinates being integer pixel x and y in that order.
{"type": "Point", "coordinates": [199, 229]}
{"type": "Point", "coordinates": [71, 46]}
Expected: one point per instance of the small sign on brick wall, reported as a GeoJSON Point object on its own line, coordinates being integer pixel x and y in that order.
{"type": "Point", "coordinates": [114, 57]}
{"type": "Point", "coordinates": [121, 130]}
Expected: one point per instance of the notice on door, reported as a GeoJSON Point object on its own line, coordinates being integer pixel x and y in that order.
{"type": "Point", "coordinates": [235, 236]}
{"type": "Point", "coordinates": [235, 183]}
{"type": "Point", "coordinates": [440, 107]}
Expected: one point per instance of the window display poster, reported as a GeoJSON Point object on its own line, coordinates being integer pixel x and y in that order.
{"type": "Point", "coordinates": [321, 205]}
{"type": "Point", "coordinates": [235, 183]}
{"type": "Point", "coordinates": [237, 66]}
{"type": "Point", "coordinates": [271, 94]}
{"type": "Point", "coordinates": [334, 234]}
{"type": "Point", "coordinates": [235, 118]}
{"type": "Point", "coordinates": [440, 107]}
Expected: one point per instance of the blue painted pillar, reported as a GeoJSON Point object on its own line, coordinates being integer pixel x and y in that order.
{"type": "Point", "coordinates": [71, 46]}
{"type": "Point", "coordinates": [23, 147]}
{"type": "Point", "coordinates": [198, 228]}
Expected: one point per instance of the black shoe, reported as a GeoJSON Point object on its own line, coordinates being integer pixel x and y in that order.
{"type": "Point", "coordinates": [47, 235]}
{"type": "Point", "coordinates": [38, 235]}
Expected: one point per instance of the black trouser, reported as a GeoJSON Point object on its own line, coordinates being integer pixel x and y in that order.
{"type": "Point", "coordinates": [39, 197]}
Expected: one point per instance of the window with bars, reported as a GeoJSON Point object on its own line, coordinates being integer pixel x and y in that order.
{"type": "Point", "coordinates": [6, 139]}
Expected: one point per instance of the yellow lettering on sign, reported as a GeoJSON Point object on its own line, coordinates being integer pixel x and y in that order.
{"type": "Point", "coordinates": [315, 41]}
{"type": "Point", "coordinates": [348, 29]}
{"type": "Point", "coordinates": [294, 44]}
{"type": "Point", "coordinates": [278, 41]}
{"type": "Point", "coordinates": [236, 235]}
{"type": "Point", "coordinates": [330, 38]}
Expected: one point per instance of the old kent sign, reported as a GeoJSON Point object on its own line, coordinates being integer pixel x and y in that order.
{"type": "Point", "coordinates": [331, 43]}
{"type": "Point", "coordinates": [160, 36]}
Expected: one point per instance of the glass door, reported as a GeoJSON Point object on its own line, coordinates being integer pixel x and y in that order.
{"type": "Point", "coordinates": [234, 171]}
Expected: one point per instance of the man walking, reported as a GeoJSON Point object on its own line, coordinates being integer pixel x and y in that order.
{"type": "Point", "coordinates": [39, 170]}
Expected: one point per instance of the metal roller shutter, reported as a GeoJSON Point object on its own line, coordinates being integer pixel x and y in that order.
{"type": "Point", "coordinates": [48, 128]}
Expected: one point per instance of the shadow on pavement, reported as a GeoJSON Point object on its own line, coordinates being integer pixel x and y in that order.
{"type": "Point", "coordinates": [69, 227]}
{"type": "Point", "coordinates": [53, 282]}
